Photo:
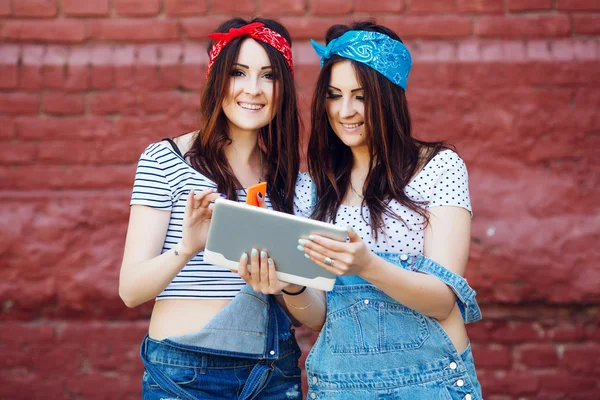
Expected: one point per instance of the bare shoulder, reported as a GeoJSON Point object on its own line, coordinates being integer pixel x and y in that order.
{"type": "Point", "coordinates": [185, 141]}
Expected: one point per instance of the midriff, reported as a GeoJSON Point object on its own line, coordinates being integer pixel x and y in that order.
{"type": "Point", "coordinates": [456, 330]}
{"type": "Point", "coordinates": [175, 317]}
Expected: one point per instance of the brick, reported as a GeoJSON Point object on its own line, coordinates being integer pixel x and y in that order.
{"type": "Point", "coordinates": [271, 9]}
{"type": "Point", "coordinates": [492, 356]}
{"type": "Point", "coordinates": [134, 30]}
{"type": "Point", "coordinates": [330, 7]}
{"type": "Point", "coordinates": [18, 153]}
{"type": "Point", "coordinates": [35, 8]}
{"type": "Point", "coordinates": [63, 104]}
{"type": "Point", "coordinates": [586, 24]}
{"type": "Point", "coordinates": [185, 7]}
{"type": "Point", "coordinates": [7, 127]}
{"type": "Point", "coordinates": [9, 71]}
{"type": "Point", "coordinates": [32, 59]}
{"type": "Point", "coordinates": [59, 31]}
{"type": "Point", "coordinates": [539, 356]}
{"type": "Point", "coordinates": [523, 27]}
{"type": "Point", "coordinates": [78, 8]}
{"type": "Point", "coordinates": [529, 5]}
{"type": "Point", "coordinates": [368, 6]}
{"type": "Point", "coordinates": [428, 27]}
{"type": "Point", "coordinates": [431, 7]}
{"type": "Point", "coordinates": [200, 28]}
{"type": "Point", "coordinates": [135, 8]}
{"type": "Point", "coordinates": [577, 5]}
{"type": "Point", "coordinates": [50, 128]}
{"type": "Point", "coordinates": [481, 6]}
{"type": "Point", "coordinates": [583, 358]}
{"type": "Point", "coordinates": [167, 103]}
{"type": "Point", "coordinates": [562, 382]}
{"type": "Point", "coordinates": [5, 9]}
{"type": "Point", "coordinates": [19, 104]}
{"type": "Point", "coordinates": [233, 7]}
{"type": "Point", "coordinates": [113, 102]}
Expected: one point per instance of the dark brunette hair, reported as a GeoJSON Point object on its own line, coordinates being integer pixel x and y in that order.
{"type": "Point", "coordinates": [395, 155]}
{"type": "Point", "coordinates": [278, 140]}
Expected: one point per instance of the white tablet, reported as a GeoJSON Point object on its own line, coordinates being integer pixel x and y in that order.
{"type": "Point", "coordinates": [237, 228]}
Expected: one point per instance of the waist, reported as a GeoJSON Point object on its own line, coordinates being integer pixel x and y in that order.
{"type": "Point", "coordinates": [176, 317]}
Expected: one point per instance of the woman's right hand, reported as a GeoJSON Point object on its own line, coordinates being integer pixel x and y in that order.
{"type": "Point", "coordinates": [262, 274]}
{"type": "Point", "coordinates": [196, 220]}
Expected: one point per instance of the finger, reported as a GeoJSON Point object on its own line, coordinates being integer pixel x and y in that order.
{"type": "Point", "coordinates": [254, 268]}
{"type": "Point", "coordinates": [208, 199]}
{"type": "Point", "coordinates": [243, 268]}
{"type": "Point", "coordinates": [335, 245]}
{"type": "Point", "coordinates": [272, 272]}
{"type": "Point", "coordinates": [189, 203]}
{"type": "Point", "coordinates": [320, 261]}
{"type": "Point", "coordinates": [261, 200]}
{"type": "Point", "coordinates": [316, 248]}
{"type": "Point", "coordinates": [264, 269]}
{"type": "Point", "coordinates": [353, 236]}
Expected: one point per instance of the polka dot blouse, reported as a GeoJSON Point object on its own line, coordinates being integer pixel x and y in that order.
{"type": "Point", "coordinates": [442, 182]}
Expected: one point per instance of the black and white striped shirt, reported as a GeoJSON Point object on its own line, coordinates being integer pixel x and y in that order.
{"type": "Point", "coordinates": [163, 180]}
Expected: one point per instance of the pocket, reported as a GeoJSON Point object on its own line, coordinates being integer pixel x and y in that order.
{"type": "Point", "coordinates": [181, 375]}
{"type": "Point", "coordinates": [373, 323]}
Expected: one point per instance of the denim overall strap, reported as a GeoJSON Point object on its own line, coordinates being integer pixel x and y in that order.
{"type": "Point", "coordinates": [465, 295]}
{"type": "Point", "coordinates": [160, 378]}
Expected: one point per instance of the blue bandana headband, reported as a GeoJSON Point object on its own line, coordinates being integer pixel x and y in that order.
{"type": "Point", "coordinates": [385, 55]}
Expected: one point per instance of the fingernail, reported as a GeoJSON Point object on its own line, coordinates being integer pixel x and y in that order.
{"type": "Point", "coordinates": [244, 256]}
{"type": "Point", "coordinates": [259, 195]}
{"type": "Point", "coordinates": [311, 237]}
{"type": "Point", "coordinates": [223, 195]}
{"type": "Point", "coordinates": [302, 242]}
{"type": "Point", "coordinates": [307, 256]}
{"type": "Point", "coordinates": [263, 254]}
{"type": "Point", "coordinates": [301, 248]}
{"type": "Point", "coordinates": [270, 261]}
{"type": "Point", "coordinates": [254, 252]}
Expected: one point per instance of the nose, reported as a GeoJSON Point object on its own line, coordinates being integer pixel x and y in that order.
{"type": "Point", "coordinates": [347, 110]}
{"type": "Point", "coordinates": [252, 86]}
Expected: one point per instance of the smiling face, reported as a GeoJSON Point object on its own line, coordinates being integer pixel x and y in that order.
{"type": "Point", "coordinates": [345, 105]}
{"type": "Point", "coordinates": [249, 103]}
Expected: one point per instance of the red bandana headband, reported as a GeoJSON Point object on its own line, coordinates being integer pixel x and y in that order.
{"type": "Point", "coordinates": [257, 31]}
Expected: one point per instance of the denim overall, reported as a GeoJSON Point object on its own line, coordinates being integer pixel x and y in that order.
{"type": "Point", "coordinates": [248, 345]}
{"type": "Point", "coordinates": [373, 347]}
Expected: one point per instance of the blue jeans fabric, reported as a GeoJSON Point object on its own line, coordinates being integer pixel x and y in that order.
{"type": "Point", "coordinates": [247, 351]}
{"type": "Point", "coordinates": [373, 347]}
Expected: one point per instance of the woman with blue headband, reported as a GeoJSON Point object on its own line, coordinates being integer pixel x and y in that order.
{"type": "Point", "coordinates": [393, 327]}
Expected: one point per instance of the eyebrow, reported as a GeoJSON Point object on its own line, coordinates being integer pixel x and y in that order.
{"type": "Point", "coordinates": [247, 67]}
{"type": "Point", "coordinates": [352, 91]}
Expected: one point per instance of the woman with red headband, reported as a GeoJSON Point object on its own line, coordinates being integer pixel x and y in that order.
{"type": "Point", "coordinates": [210, 336]}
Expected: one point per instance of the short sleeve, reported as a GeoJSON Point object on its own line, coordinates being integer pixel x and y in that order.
{"type": "Point", "coordinates": [303, 197]}
{"type": "Point", "coordinates": [151, 187]}
{"type": "Point", "coordinates": [451, 183]}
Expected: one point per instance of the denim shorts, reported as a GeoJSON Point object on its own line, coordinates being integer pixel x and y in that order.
{"type": "Point", "coordinates": [207, 376]}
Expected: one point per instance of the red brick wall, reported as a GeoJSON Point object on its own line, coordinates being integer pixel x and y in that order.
{"type": "Point", "coordinates": [86, 85]}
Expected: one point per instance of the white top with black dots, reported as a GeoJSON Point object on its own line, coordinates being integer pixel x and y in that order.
{"type": "Point", "coordinates": [443, 181]}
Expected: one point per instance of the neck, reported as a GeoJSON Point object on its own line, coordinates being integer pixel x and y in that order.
{"type": "Point", "coordinates": [361, 160]}
{"type": "Point", "coordinates": [243, 147]}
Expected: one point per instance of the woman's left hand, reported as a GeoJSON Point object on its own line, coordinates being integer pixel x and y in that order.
{"type": "Point", "coordinates": [339, 258]}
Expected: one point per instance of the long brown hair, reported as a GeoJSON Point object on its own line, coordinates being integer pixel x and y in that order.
{"type": "Point", "coordinates": [278, 140]}
{"type": "Point", "coordinates": [395, 156]}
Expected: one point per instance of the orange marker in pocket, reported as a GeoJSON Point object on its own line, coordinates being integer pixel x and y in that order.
{"type": "Point", "coordinates": [253, 191]}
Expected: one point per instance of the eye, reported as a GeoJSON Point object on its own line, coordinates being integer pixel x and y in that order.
{"type": "Point", "coordinates": [331, 95]}
{"type": "Point", "coordinates": [360, 97]}
{"type": "Point", "coordinates": [237, 72]}
{"type": "Point", "coordinates": [269, 75]}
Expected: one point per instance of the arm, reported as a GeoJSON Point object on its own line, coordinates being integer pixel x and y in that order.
{"type": "Point", "coordinates": [446, 242]}
{"type": "Point", "coordinates": [145, 272]}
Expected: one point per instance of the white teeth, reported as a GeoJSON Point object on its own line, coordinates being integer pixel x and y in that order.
{"type": "Point", "coordinates": [352, 126]}
{"type": "Point", "coordinates": [249, 106]}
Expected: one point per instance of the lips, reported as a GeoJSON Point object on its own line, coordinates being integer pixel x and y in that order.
{"type": "Point", "coordinates": [251, 106]}
{"type": "Point", "coordinates": [352, 126]}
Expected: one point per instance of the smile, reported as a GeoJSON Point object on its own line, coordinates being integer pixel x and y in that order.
{"type": "Point", "coordinates": [352, 126]}
{"type": "Point", "coordinates": [250, 106]}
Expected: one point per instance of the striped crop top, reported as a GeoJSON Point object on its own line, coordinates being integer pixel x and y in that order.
{"type": "Point", "coordinates": [163, 180]}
